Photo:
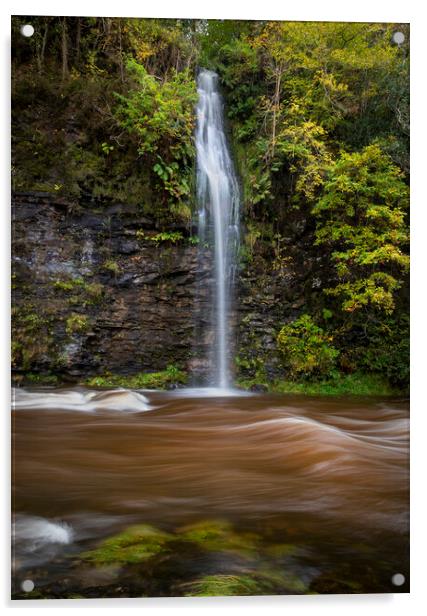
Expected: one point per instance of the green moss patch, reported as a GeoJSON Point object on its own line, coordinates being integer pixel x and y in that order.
{"type": "Point", "coordinates": [80, 290]}
{"type": "Point", "coordinates": [136, 544]}
{"type": "Point", "coordinates": [218, 536]}
{"type": "Point", "coordinates": [41, 379]}
{"type": "Point", "coordinates": [224, 585]}
{"type": "Point", "coordinates": [264, 583]}
{"type": "Point", "coordinates": [164, 557]}
{"type": "Point", "coordinates": [77, 324]}
{"type": "Point", "coordinates": [356, 384]}
{"type": "Point", "coordinates": [143, 380]}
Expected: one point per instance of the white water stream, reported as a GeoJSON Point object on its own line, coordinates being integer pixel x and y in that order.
{"type": "Point", "coordinates": [218, 199]}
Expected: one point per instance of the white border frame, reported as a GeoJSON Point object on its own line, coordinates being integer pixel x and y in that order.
{"type": "Point", "coordinates": [309, 10]}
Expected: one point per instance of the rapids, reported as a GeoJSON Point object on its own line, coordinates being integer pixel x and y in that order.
{"type": "Point", "coordinates": [323, 474]}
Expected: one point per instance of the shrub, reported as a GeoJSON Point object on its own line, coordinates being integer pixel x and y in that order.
{"type": "Point", "coordinates": [305, 348]}
{"type": "Point", "coordinates": [143, 380]}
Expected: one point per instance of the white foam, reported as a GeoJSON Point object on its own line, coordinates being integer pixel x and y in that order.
{"type": "Point", "coordinates": [80, 400]}
{"type": "Point", "coordinates": [209, 392]}
{"type": "Point", "coordinates": [36, 532]}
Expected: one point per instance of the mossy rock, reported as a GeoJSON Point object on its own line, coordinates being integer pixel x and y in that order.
{"type": "Point", "coordinates": [224, 585]}
{"type": "Point", "coordinates": [151, 380]}
{"type": "Point", "coordinates": [285, 582]}
{"type": "Point", "coordinates": [248, 583]}
{"type": "Point", "coordinates": [218, 536]}
{"type": "Point", "coordinates": [134, 545]}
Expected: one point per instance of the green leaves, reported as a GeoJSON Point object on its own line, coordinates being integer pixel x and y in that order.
{"type": "Point", "coordinates": [306, 348]}
{"type": "Point", "coordinates": [361, 214]}
{"type": "Point", "coordinates": [161, 172]}
{"type": "Point", "coordinates": [160, 114]}
{"type": "Point", "coordinates": [106, 148]}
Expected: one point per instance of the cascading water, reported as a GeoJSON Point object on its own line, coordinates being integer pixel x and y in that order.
{"type": "Point", "coordinates": [218, 199]}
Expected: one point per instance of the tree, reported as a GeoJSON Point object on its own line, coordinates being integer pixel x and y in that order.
{"type": "Point", "coordinates": [361, 222]}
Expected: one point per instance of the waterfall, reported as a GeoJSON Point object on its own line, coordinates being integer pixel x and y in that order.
{"type": "Point", "coordinates": [218, 202]}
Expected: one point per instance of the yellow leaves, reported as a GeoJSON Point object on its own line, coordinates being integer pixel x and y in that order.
{"type": "Point", "coordinates": [330, 83]}
{"type": "Point", "coordinates": [350, 306]}
{"type": "Point", "coordinates": [144, 51]}
{"type": "Point", "coordinates": [360, 214]}
{"type": "Point", "coordinates": [375, 290]}
{"type": "Point", "coordinates": [305, 347]}
{"type": "Point", "coordinates": [302, 144]}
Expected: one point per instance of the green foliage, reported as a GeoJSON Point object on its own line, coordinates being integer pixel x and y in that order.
{"type": "Point", "coordinates": [161, 116]}
{"type": "Point", "coordinates": [111, 266]}
{"type": "Point", "coordinates": [361, 220]}
{"type": "Point", "coordinates": [144, 380]}
{"type": "Point", "coordinates": [327, 314]}
{"type": "Point", "coordinates": [382, 348]}
{"type": "Point", "coordinates": [77, 323]}
{"type": "Point", "coordinates": [253, 233]}
{"type": "Point", "coordinates": [87, 293]}
{"type": "Point", "coordinates": [158, 238]}
{"type": "Point", "coordinates": [42, 379]}
{"type": "Point", "coordinates": [70, 111]}
{"type": "Point", "coordinates": [31, 337]}
{"type": "Point", "coordinates": [335, 384]}
{"type": "Point", "coordinates": [319, 116]}
{"type": "Point", "coordinates": [68, 285]}
{"type": "Point", "coordinates": [295, 89]}
{"type": "Point", "coordinates": [95, 291]}
{"type": "Point", "coordinates": [305, 348]}
{"type": "Point", "coordinates": [106, 148]}
{"type": "Point", "coordinates": [251, 363]}
{"type": "Point", "coordinates": [357, 384]}
{"type": "Point", "coordinates": [302, 145]}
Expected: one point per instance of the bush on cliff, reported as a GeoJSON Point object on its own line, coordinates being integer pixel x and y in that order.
{"type": "Point", "coordinates": [305, 348]}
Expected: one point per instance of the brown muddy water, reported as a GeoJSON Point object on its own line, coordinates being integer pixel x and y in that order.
{"type": "Point", "coordinates": [249, 494]}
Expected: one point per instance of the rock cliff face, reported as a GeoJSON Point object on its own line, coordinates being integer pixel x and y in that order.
{"type": "Point", "coordinates": [272, 292]}
{"type": "Point", "coordinates": [93, 292]}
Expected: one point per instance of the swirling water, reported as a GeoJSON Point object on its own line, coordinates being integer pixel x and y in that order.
{"type": "Point", "coordinates": [326, 477]}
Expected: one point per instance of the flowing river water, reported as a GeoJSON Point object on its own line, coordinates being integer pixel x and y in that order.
{"type": "Point", "coordinates": [274, 494]}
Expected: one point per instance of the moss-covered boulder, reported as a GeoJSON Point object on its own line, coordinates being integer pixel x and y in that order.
{"type": "Point", "coordinates": [247, 583]}
{"type": "Point", "coordinates": [219, 536]}
{"type": "Point", "coordinates": [134, 545]}
{"type": "Point", "coordinates": [224, 585]}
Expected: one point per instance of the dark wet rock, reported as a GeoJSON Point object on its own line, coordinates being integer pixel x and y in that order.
{"type": "Point", "coordinates": [128, 247]}
{"type": "Point", "coordinates": [259, 388]}
{"type": "Point", "coordinates": [139, 297]}
{"type": "Point", "coordinates": [172, 386]}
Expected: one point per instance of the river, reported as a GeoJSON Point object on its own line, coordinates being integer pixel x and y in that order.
{"type": "Point", "coordinates": [301, 494]}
